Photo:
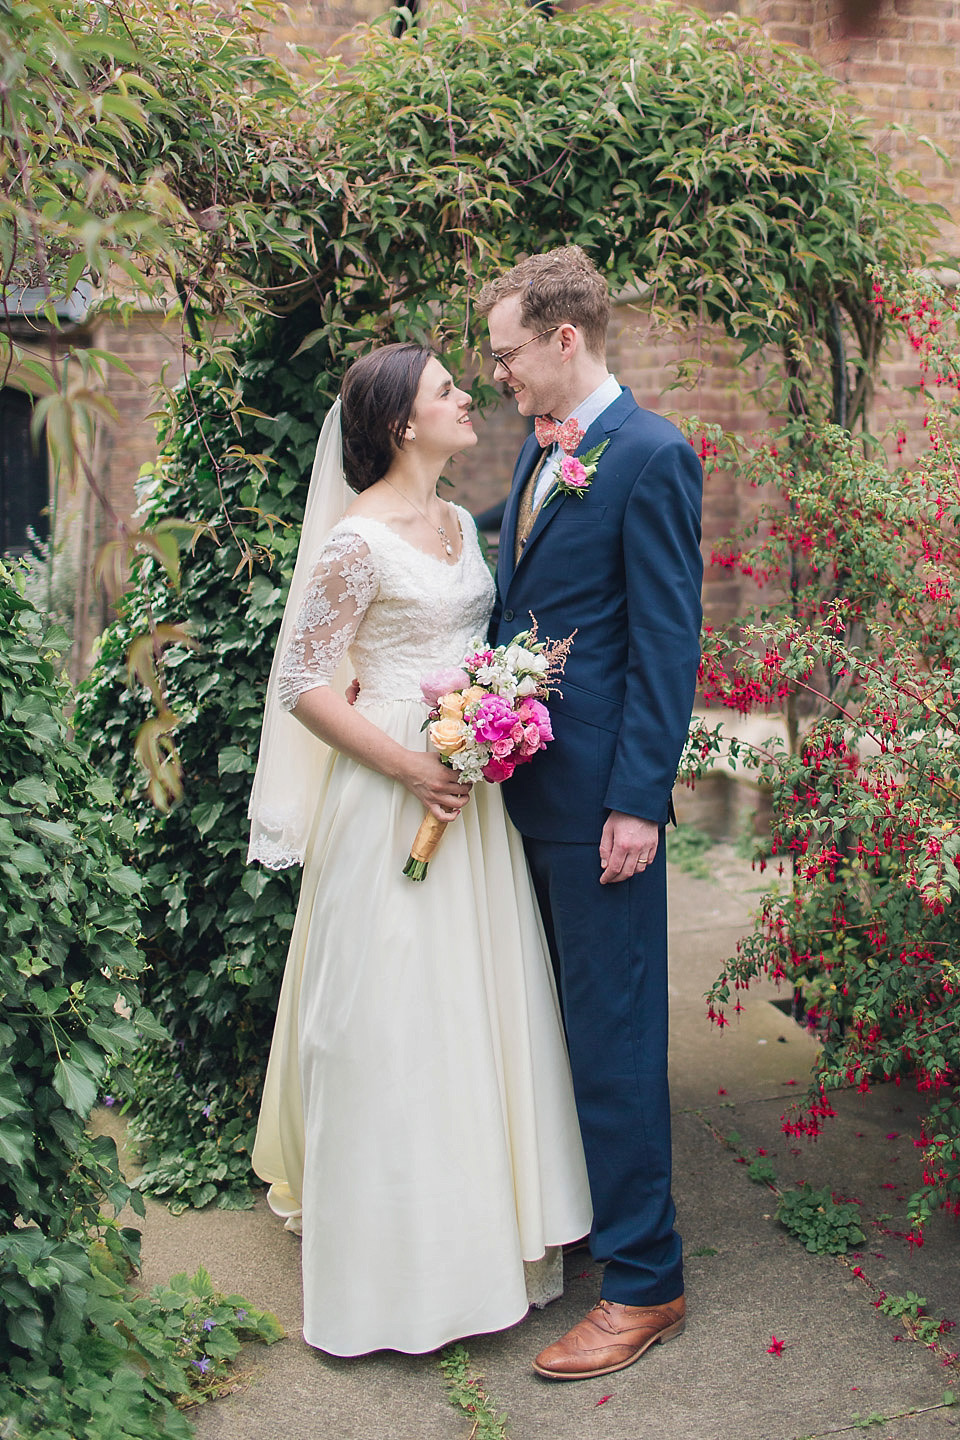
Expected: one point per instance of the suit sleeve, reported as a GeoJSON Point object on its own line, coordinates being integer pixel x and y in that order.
{"type": "Point", "coordinates": [663, 573]}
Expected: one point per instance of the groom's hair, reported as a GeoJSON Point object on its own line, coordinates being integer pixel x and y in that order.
{"type": "Point", "coordinates": [377, 397]}
{"type": "Point", "coordinates": [560, 285]}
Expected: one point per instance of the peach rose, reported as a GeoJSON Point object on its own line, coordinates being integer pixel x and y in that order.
{"type": "Point", "coordinates": [451, 706]}
{"type": "Point", "coordinates": [473, 696]}
{"type": "Point", "coordinates": [448, 735]}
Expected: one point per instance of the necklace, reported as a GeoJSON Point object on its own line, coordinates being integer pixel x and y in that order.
{"type": "Point", "coordinates": [444, 538]}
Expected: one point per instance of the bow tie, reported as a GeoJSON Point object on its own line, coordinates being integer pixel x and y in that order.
{"type": "Point", "coordinates": [550, 432]}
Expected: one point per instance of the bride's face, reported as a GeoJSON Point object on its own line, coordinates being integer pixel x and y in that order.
{"type": "Point", "coordinates": [440, 420]}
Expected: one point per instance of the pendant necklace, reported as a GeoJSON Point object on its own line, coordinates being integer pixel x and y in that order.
{"type": "Point", "coordinates": [444, 539]}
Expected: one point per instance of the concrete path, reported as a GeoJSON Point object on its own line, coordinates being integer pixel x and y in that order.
{"type": "Point", "coordinates": [844, 1365]}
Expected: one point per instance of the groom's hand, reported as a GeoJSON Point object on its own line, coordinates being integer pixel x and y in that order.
{"type": "Point", "coordinates": [627, 846]}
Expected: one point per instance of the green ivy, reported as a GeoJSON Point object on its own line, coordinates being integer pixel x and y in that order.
{"type": "Point", "coordinates": [69, 967]}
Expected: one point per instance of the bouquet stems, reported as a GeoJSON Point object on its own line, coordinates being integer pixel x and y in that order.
{"type": "Point", "coordinates": [424, 846]}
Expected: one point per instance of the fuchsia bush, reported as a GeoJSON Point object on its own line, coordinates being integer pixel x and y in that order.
{"type": "Point", "coordinates": [855, 637]}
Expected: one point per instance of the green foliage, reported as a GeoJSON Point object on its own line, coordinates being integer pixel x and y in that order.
{"type": "Point", "coordinates": [761, 1171]}
{"type": "Point", "coordinates": [201, 1155]}
{"type": "Point", "coordinates": [724, 176]}
{"type": "Point", "coordinates": [857, 634]}
{"type": "Point", "coordinates": [70, 911]}
{"type": "Point", "coordinates": [927, 1329]}
{"type": "Point", "coordinates": [107, 1361]}
{"type": "Point", "coordinates": [85, 1357]}
{"type": "Point", "coordinates": [467, 1394]}
{"type": "Point", "coordinates": [822, 1224]}
{"type": "Point", "coordinates": [215, 931]}
{"type": "Point", "coordinates": [688, 848]}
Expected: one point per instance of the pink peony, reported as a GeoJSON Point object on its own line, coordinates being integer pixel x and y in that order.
{"type": "Point", "coordinates": [442, 682]}
{"type": "Point", "coordinates": [493, 718]}
{"type": "Point", "coordinates": [498, 770]}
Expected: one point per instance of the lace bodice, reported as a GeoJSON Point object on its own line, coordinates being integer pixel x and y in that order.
{"type": "Point", "coordinates": [399, 612]}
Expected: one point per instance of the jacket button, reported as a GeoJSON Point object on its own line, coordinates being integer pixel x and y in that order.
{"type": "Point", "coordinates": [508, 614]}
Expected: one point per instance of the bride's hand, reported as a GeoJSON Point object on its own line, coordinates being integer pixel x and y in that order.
{"type": "Point", "coordinates": [442, 790]}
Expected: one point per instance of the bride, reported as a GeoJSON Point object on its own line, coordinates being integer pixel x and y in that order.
{"type": "Point", "coordinates": [417, 1121]}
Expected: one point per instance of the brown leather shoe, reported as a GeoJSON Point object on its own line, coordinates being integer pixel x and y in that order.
{"type": "Point", "coordinates": [610, 1338]}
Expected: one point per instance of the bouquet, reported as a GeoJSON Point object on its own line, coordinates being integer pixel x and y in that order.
{"type": "Point", "coordinates": [487, 717]}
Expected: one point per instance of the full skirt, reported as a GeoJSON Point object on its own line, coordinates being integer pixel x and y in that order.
{"type": "Point", "coordinates": [418, 1108]}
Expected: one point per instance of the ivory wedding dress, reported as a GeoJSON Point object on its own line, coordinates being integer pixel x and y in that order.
{"type": "Point", "coordinates": [418, 1107]}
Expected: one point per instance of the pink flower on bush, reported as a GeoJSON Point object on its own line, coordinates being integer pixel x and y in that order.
{"type": "Point", "coordinates": [443, 682]}
{"type": "Point", "coordinates": [493, 718]}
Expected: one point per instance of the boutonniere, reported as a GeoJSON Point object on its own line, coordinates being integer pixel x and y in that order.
{"type": "Point", "coordinates": [576, 473]}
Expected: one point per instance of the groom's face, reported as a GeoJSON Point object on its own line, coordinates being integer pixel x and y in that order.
{"type": "Point", "coordinates": [532, 367]}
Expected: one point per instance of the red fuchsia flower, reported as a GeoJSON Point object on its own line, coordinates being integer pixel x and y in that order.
{"type": "Point", "coordinates": [776, 1346]}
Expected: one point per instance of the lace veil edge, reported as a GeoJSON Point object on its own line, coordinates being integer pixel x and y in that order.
{"type": "Point", "coordinates": [291, 761]}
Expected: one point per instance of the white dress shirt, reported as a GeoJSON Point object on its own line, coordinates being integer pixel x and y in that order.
{"type": "Point", "coordinates": [585, 414]}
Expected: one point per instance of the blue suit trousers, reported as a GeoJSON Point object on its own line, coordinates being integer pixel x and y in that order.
{"type": "Point", "coordinates": [608, 944]}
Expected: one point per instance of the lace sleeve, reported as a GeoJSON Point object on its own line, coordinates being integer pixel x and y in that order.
{"type": "Point", "coordinates": [341, 588]}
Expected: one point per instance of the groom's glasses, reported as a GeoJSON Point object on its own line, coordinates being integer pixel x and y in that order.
{"type": "Point", "coordinates": [507, 355]}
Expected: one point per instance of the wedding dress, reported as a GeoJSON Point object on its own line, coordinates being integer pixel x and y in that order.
{"type": "Point", "coordinates": [418, 1118]}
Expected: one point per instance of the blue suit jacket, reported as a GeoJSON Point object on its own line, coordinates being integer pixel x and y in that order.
{"type": "Point", "coordinates": [621, 565]}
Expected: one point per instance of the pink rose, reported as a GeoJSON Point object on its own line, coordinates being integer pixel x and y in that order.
{"type": "Point", "coordinates": [531, 742]}
{"type": "Point", "coordinates": [503, 747]}
{"type": "Point", "coordinates": [498, 770]}
{"type": "Point", "coordinates": [573, 473]}
{"type": "Point", "coordinates": [442, 682]}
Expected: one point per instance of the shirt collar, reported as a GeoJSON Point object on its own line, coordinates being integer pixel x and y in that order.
{"type": "Point", "coordinates": [595, 403]}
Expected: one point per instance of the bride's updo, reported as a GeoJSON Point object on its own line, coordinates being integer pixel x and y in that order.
{"type": "Point", "coordinates": [377, 396]}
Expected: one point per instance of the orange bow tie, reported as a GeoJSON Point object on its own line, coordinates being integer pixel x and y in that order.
{"type": "Point", "coordinates": [550, 432]}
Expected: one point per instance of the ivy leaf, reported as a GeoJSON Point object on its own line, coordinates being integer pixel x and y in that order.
{"type": "Point", "coordinates": [75, 1086]}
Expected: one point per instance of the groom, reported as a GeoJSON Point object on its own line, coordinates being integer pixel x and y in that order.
{"type": "Point", "coordinates": [619, 562]}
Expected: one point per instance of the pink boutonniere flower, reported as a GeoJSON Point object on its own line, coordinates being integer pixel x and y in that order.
{"type": "Point", "coordinates": [576, 473]}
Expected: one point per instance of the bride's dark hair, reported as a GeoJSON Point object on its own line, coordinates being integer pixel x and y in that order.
{"type": "Point", "coordinates": [377, 396]}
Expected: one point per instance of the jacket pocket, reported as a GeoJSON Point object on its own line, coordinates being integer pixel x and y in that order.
{"type": "Point", "coordinates": [589, 707]}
